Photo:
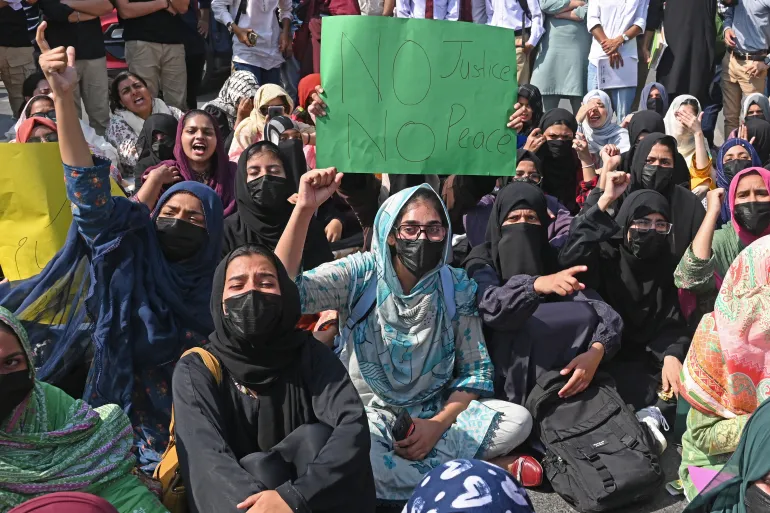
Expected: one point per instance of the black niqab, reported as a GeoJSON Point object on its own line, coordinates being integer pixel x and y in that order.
{"type": "Point", "coordinates": [687, 211]}
{"type": "Point", "coordinates": [643, 291]}
{"type": "Point", "coordinates": [644, 121]}
{"type": "Point", "coordinates": [533, 255]}
{"type": "Point", "coordinates": [759, 131]}
{"type": "Point", "coordinates": [256, 224]}
{"type": "Point", "coordinates": [157, 123]}
{"type": "Point", "coordinates": [560, 171]}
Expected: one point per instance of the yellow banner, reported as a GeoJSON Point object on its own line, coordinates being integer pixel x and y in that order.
{"type": "Point", "coordinates": [34, 211]}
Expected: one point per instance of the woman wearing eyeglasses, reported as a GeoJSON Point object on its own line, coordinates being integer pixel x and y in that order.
{"type": "Point", "coordinates": [419, 346]}
{"type": "Point", "coordinates": [630, 264]}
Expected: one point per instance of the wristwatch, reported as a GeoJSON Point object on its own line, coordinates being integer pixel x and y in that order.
{"type": "Point", "coordinates": [230, 27]}
{"type": "Point", "coordinates": [626, 39]}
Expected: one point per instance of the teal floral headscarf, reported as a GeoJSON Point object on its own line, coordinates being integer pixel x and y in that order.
{"type": "Point", "coordinates": [415, 358]}
{"type": "Point", "coordinates": [53, 443]}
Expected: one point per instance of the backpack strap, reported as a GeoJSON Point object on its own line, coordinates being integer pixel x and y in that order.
{"type": "Point", "coordinates": [358, 312]}
{"type": "Point", "coordinates": [448, 288]}
{"type": "Point", "coordinates": [241, 10]}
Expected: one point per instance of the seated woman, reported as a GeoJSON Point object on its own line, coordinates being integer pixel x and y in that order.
{"type": "Point", "coordinates": [43, 106]}
{"type": "Point", "coordinates": [50, 442]}
{"type": "Point", "coordinates": [131, 103]}
{"type": "Point", "coordinates": [234, 102]}
{"type": "Point", "coordinates": [529, 169]}
{"type": "Point", "coordinates": [37, 130]}
{"type": "Point", "coordinates": [568, 168]}
{"type": "Point", "coordinates": [128, 292]}
{"type": "Point", "coordinates": [655, 98]}
{"type": "Point", "coordinates": [517, 275]}
{"type": "Point", "coordinates": [285, 426]}
{"type": "Point", "coordinates": [630, 264]}
{"type": "Point", "coordinates": [655, 166]}
{"type": "Point", "coordinates": [34, 85]}
{"type": "Point", "coordinates": [595, 116]}
{"type": "Point", "coordinates": [705, 264]}
{"type": "Point", "coordinates": [419, 348]}
{"type": "Point", "coordinates": [755, 105]}
{"type": "Point", "coordinates": [266, 178]}
{"type": "Point", "coordinates": [199, 156]}
{"type": "Point", "coordinates": [305, 89]}
{"type": "Point", "coordinates": [683, 123]}
{"type": "Point", "coordinates": [251, 129]}
{"type": "Point", "coordinates": [734, 156]}
{"type": "Point", "coordinates": [744, 481]}
{"type": "Point", "coordinates": [757, 131]}
{"type": "Point", "coordinates": [532, 101]}
{"type": "Point", "coordinates": [155, 143]}
{"type": "Point", "coordinates": [726, 372]}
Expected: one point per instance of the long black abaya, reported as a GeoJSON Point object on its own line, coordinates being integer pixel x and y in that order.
{"type": "Point", "coordinates": [687, 66]}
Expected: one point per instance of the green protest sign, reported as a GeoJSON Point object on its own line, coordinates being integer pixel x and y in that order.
{"type": "Point", "coordinates": [417, 97]}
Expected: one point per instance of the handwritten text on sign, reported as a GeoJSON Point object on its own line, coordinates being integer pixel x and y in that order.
{"type": "Point", "coordinates": [417, 96]}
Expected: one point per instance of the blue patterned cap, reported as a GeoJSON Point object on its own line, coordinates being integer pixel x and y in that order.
{"type": "Point", "coordinates": [470, 486]}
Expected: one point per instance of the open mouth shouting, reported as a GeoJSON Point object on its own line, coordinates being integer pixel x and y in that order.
{"type": "Point", "coordinates": [199, 148]}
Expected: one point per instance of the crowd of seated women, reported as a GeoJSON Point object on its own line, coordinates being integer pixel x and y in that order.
{"type": "Point", "coordinates": [597, 255]}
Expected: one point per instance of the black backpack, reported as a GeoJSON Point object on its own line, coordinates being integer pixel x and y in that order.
{"type": "Point", "coordinates": [598, 456]}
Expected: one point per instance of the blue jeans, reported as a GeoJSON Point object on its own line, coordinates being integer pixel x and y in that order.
{"type": "Point", "coordinates": [622, 98]}
{"type": "Point", "coordinates": [263, 76]}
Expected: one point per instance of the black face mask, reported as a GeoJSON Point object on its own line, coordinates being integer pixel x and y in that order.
{"type": "Point", "coordinates": [734, 167]}
{"type": "Point", "coordinates": [559, 148]}
{"type": "Point", "coordinates": [657, 178]}
{"type": "Point", "coordinates": [163, 148]}
{"type": "Point", "coordinates": [754, 216]}
{"type": "Point", "coordinates": [270, 192]}
{"type": "Point", "coordinates": [646, 245]}
{"type": "Point", "coordinates": [655, 104]}
{"type": "Point", "coordinates": [755, 116]}
{"type": "Point", "coordinates": [179, 240]}
{"type": "Point", "coordinates": [252, 314]}
{"type": "Point", "coordinates": [756, 500]}
{"type": "Point", "coordinates": [15, 387]}
{"type": "Point", "coordinates": [519, 250]}
{"type": "Point", "coordinates": [419, 256]}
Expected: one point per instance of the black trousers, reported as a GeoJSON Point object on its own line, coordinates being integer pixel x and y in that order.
{"type": "Point", "coordinates": [194, 64]}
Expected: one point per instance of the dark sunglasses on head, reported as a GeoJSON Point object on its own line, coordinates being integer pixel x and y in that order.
{"type": "Point", "coordinates": [51, 114]}
{"type": "Point", "coordinates": [52, 137]}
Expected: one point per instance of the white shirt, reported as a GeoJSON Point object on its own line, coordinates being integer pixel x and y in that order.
{"type": "Point", "coordinates": [615, 17]}
{"type": "Point", "coordinates": [509, 14]}
{"type": "Point", "coordinates": [442, 9]}
{"type": "Point", "coordinates": [259, 17]}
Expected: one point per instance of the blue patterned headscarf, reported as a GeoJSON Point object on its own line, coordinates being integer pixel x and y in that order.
{"type": "Point", "coordinates": [722, 180]}
{"type": "Point", "coordinates": [120, 297]}
{"type": "Point", "coordinates": [469, 486]}
{"type": "Point", "coordinates": [416, 356]}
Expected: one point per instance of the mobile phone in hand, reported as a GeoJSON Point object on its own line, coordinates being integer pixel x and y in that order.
{"type": "Point", "coordinates": [403, 426]}
{"type": "Point", "coordinates": [274, 112]}
{"type": "Point", "coordinates": [252, 38]}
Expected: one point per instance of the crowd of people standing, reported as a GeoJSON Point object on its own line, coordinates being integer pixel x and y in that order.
{"type": "Point", "coordinates": [309, 341]}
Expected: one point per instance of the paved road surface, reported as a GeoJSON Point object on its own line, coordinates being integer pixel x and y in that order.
{"type": "Point", "coordinates": [544, 502]}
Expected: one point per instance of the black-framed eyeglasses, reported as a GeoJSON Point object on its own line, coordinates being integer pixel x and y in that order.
{"type": "Point", "coordinates": [51, 114]}
{"type": "Point", "coordinates": [534, 178]}
{"type": "Point", "coordinates": [52, 137]}
{"type": "Point", "coordinates": [434, 232]}
{"type": "Point", "coordinates": [645, 225]}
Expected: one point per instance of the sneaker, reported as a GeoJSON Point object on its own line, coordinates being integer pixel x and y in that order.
{"type": "Point", "coordinates": [652, 417]}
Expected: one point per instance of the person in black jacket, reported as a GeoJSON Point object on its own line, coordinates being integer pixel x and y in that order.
{"type": "Point", "coordinates": [285, 428]}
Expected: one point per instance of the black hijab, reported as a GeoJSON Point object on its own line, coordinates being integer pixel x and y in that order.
{"type": "Point", "coordinates": [535, 99]}
{"type": "Point", "coordinates": [257, 224]}
{"type": "Point", "coordinates": [165, 124]}
{"type": "Point", "coordinates": [641, 291]}
{"type": "Point", "coordinates": [759, 130]}
{"type": "Point", "coordinates": [560, 168]}
{"type": "Point", "coordinates": [270, 366]}
{"type": "Point", "coordinates": [687, 211]}
{"type": "Point", "coordinates": [520, 248]}
{"type": "Point", "coordinates": [644, 121]}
